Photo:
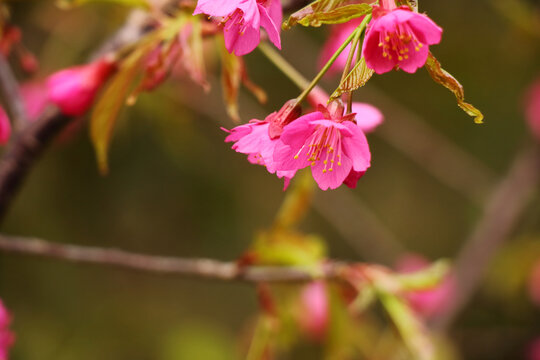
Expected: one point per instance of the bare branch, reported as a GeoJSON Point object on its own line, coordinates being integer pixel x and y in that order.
{"type": "Point", "coordinates": [199, 268]}
{"type": "Point", "coordinates": [501, 214]}
{"type": "Point", "coordinates": [12, 95]}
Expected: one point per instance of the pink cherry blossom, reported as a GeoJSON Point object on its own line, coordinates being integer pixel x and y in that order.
{"type": "Point", "coordinates": [5, 127]}
{"type": "Point", "coordinates": [242, 21]}
{"type": "Point", "coordinates": [6, 337]}
{"type": "Point", "coordinates": [534, 284]}
{"type": "Point", "coordinates": [258, 138]}
{"type": "Point", "coordinates": [398, 38]}
{"type": "Point", "coordinates": [532, 108]}
{"type": "Point", "coordinates": [313, 316]}
{"type": "Point", "coordinates": [368, 117]}
{"type": "Point", "coordinates": [330, 143]}
{"type": "Point", "coordinates": [73, 90]}
{"type": "Point", "coordinates": [428, 302]}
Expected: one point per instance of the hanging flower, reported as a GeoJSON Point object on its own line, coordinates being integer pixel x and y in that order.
{"type": "Point", "coordinates": [330, 143]}
{"type": "Point", "coordinates": [398, 38]}
{"type": "Point", "coordinates": [258, 138]}
{"type": "Point", "coordinates": [73, 90]}
{"type": "Point", "coordinates": [242, 20]}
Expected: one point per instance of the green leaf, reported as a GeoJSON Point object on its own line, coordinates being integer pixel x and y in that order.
{"type": "Point", "coordinates": [441, 76]}
{"type": "Point", "coordinates": [327, 12]}
{"type": "Point", "coordinates": [357, 78]}
{"type": "Point", "coordinates": [109, 105]}
{"type": "Point", "coordinates": [66, 4]}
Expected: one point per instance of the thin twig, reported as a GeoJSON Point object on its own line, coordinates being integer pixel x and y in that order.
{"type": "Point", "coordinates": [501, 214]}
{"type": "Point", "coordinates": [12, 95]}
{"type": "Point", "coordinates": [199, 268]}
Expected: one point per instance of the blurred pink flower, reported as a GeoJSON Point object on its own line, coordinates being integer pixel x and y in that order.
{"type": "Point", "coordinates": [6, 337]}
{"type": "Point", "coordinates": [532, 108]}
{"type": "Point", "coordinates": [36, 99]}
{"type": "Point", "coordinates": [534, 284]}
{"type": "Point", "coordinates": [533, 352]}
{"type": "Point", "coordinates": [242, 21]}
{"type": "Point", "coordinates": [430, 302]}
{"type": "Point", "coordinates": [313, 315]}
{"type": "Point", "coordinates": [5, 127]}
{"type": "Point", "coordinates": [338, 35]}
{"type": "Point", "coordinates": [398, 37]}
{"type": "Point", "coordinates": [330, 143]}
{"type": "Point", "coordinates": [73, 90]}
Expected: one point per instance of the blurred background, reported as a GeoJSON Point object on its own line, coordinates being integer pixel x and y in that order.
{"type": "Point", "coordinates": [176, 189]}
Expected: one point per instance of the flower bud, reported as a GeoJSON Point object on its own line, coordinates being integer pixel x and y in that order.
{"type": "Point", "coordinates": [289, 112]}
{"type": "Point", "coordinates": [73, 90]}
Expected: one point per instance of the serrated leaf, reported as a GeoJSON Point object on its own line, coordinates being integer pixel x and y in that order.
{"type": "Point", "coordinates": [357, 78]}
{"type": "Point", "coordinates": [66, 4]}
{"type": "Point", "coordinates": [326, 12]}
{"type": "Point", "coordinates": [441, 76]}
{"type": "Point", "coordinates": [231, 77]}
{"type": "Point", "coordinates": [109, 105]}
{"type": "Point", "coordinates": [413, 4]}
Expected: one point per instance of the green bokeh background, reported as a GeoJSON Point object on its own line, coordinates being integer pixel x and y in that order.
{"type": "Point", "coordinates": [176, 189]}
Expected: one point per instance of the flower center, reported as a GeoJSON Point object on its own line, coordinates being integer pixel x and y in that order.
{"type": "Point", "coordinates": [398, 42]}
{"type": "Point", "coordinates": [324, 144]}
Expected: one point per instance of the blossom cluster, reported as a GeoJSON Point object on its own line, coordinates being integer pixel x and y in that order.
{"type": "Point", "coordinates": [329, 141]}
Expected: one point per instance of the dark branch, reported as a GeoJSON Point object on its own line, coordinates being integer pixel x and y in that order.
{"type": "Point", "coordinates": [12, 95]}
{"type": "Point", "coordinates": [199, 268]}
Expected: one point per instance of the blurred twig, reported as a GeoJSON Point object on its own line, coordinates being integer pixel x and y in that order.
{"type": "Point", "coordinates": [200, 268]}
{"type": "Point", "coordinates": [501, 213]}
{"type": "Point", "coordinates": [12, 95]}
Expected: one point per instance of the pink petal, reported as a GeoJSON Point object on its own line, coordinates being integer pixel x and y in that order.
{"type": "Point", "coordinates": [270, 27]}
{"type": "Point", "coordinates": [241, 41]}
{"type": "Point", "coordinates": [368, 117]}
{"type": "Point", "coordinates": [5, 127]}
{"type": "Point", "coordinates": [216, 8]}
{"type": "Point", "coordinates": [356, 148]}
{"type": "Point", "coordinates": [331, 179]}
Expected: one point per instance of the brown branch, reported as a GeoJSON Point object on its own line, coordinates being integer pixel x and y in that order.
{"type": "Point", "coordinates": [501, 214]}
{"type": "Point", "coordinates": [199, 268]}
{"type": "Point", "coordinates": [12, 95]}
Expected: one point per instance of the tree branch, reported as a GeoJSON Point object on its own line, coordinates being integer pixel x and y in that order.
{"type": "Point", "coordinates": [501, 214]}
{"type": "Point", "coordinates": [199, 268]}
{"type": "Point", "coordinates": [12, 95]}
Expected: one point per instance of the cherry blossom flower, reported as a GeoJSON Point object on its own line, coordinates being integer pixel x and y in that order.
{"type": "Point", "coordinates": [6, 337]}
{"type": "Point", "coordinates": [73, 90]}
{"type": "Point", "coordinates": [532, 108]}
{"type": "Point", "coordinates": [430, 302]}
{"type": "Point", "coordinates": [258, 138]}
{"type": "Point", "coordinates": [330, 143]}
{"type": "Point", "coordinates": [368, 117]}
{"type": "Point", "coordinates": [397, 37]}
{"type": "Point", "coordinates": [242, 21]}
{"type": "Point", "coordinates": [313, 316]}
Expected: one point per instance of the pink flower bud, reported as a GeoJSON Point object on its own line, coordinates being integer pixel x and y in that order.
{"type": "Point", "coordinates": [73, 90]}
{"type": "Point", "coordinates": [5, 128]}
{"type": "Point", "coordinates": [313, 316]}
{"type": "Point", "coordinates": [288, 112]}
{"type": "Point", "coordinates": [6, 337]}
